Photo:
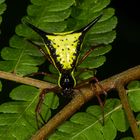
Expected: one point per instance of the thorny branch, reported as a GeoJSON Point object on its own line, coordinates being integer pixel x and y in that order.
{"type": "Point", "coordinates": [115, 82]}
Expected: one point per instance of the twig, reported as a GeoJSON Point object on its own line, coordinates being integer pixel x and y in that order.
{"type": "Point", "coordinates": [128, 111]}
{"type": "Point", "coordinates": [25, 80]}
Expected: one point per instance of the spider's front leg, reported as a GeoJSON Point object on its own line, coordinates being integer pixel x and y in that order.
{"type": "Point", "coordinates": [94, 83]}
{"type": "Point", "coordinates": [38, 115]}
{"type": "Point", "coordinates": [100, 99]}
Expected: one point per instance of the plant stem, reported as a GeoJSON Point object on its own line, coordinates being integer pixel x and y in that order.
{"type": "Point", "coordinates": [128, 111]}
{"type": "Point", "coordinates": [25, 80]}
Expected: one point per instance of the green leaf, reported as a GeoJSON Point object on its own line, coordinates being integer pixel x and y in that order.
{"type": "Point", "coordinates": [95, 111]}
{"type": "Point", "coordinates": [1, 1]}
{"type": "Point", "coordinates": [83, 118]}
{"type": "Point", "coordinates": [18, 116]}
{"type": "Point", "coordinates": [27, 94]}
{"type": "Point", "coordinates": [51, 97]}
{"type": "Point", "coordinates": [93, 62]}
{"type": "Point", "coordinates": [87, 9]}
{"type": "Point", "coordinates": [2, 9]}
{"type": "Point", "coordinates": [88, 5]}
{"type": "Point", "coordinates": [111, 105]}
{"type": "Point", "coordinates": [97, 51]}
{"type": "Point", "coordinates": [20, 43]}
{"type": "Point", "coordinates": [109, 135]}
{"type": "Point", "coordinates": [104, 26]}
{"type": "Point", "coordinates": [7, 66]}
{"type": "Point", "coordinates": [53, 5]}
{"type": "Point", "coordinates": [133, 85]}
{"type": "Point", "coordinates": [86, 75]}
{"type": "Point", "coordinates": [120, 120]}
{"type": "Point", "coordinates": [134, 95]}
{"type": "Point", "coordinates": [101, 50]}
{"type": "Point", "coordinates": [51, 78]}
{"type": "Point", "coordinates": [87, 125]}
{"type": "Point", "coordinates": [54, 27]}
{"type": "Point", "coordinates": [103, 38]}
{"type": "Point", "coordinates": [53, 70]}
{"type": "Point", "coordinates": [50, 16]}
{"type": "Point", "coordinates": [57, 16]}
{"type": "Point", "coordinates": [20, 58]}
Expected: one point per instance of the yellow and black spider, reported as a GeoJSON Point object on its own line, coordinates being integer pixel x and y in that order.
{"type": "Point", "coordinates": [63, 50]}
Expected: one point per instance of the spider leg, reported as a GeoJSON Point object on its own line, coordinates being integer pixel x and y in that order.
{"type": "Point", "coordinates": [100, 100]}
{"type": "Point", "coordinates": [40, 47]}
{"type": "Point", "coordinates": [41, 50]}
{"type": "Point", "coordinates": [98, 83]}
{"type": "Point", "coordinates": [101, 103]}
{"type": "Point", "coordinates": [44, 74]}
{"type": "Point", "coordinates": [38, 108]}
{"type": "Point", "coordinates": [87, 54]}
{"type": "Point", "coordinates": [38, 115]}
{"type": "Point", "coordinates": [90, 80]}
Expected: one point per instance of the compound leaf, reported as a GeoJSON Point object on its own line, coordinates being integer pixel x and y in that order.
{"type": "Point", "coordinates": [18, 116]}
{"type": "Point", "coordinates": [20, 58]}
{"type": "Point", "coordinates": [88, 125]}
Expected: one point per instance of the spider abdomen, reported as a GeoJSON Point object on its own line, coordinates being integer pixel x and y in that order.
{"type": "Point", "coordinates": [65, 48]}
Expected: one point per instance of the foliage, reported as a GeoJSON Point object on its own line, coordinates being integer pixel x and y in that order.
{"type": "Point", "coordinates": [17, 117]}
{"type": "Point", "coordinates": [88, 125]}
{"type": "Point", "coordinates": [2, 9]}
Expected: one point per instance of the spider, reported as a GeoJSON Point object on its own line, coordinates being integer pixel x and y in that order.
{"type": "Point", "coordinates": [63, 50]}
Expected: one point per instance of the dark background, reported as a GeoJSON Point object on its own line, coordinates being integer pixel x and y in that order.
{"type": "Point", "coordinates": [126, 47]}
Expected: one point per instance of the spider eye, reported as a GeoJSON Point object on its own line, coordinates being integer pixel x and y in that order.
{"type": "Point", "coordinates": [66, 81]}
